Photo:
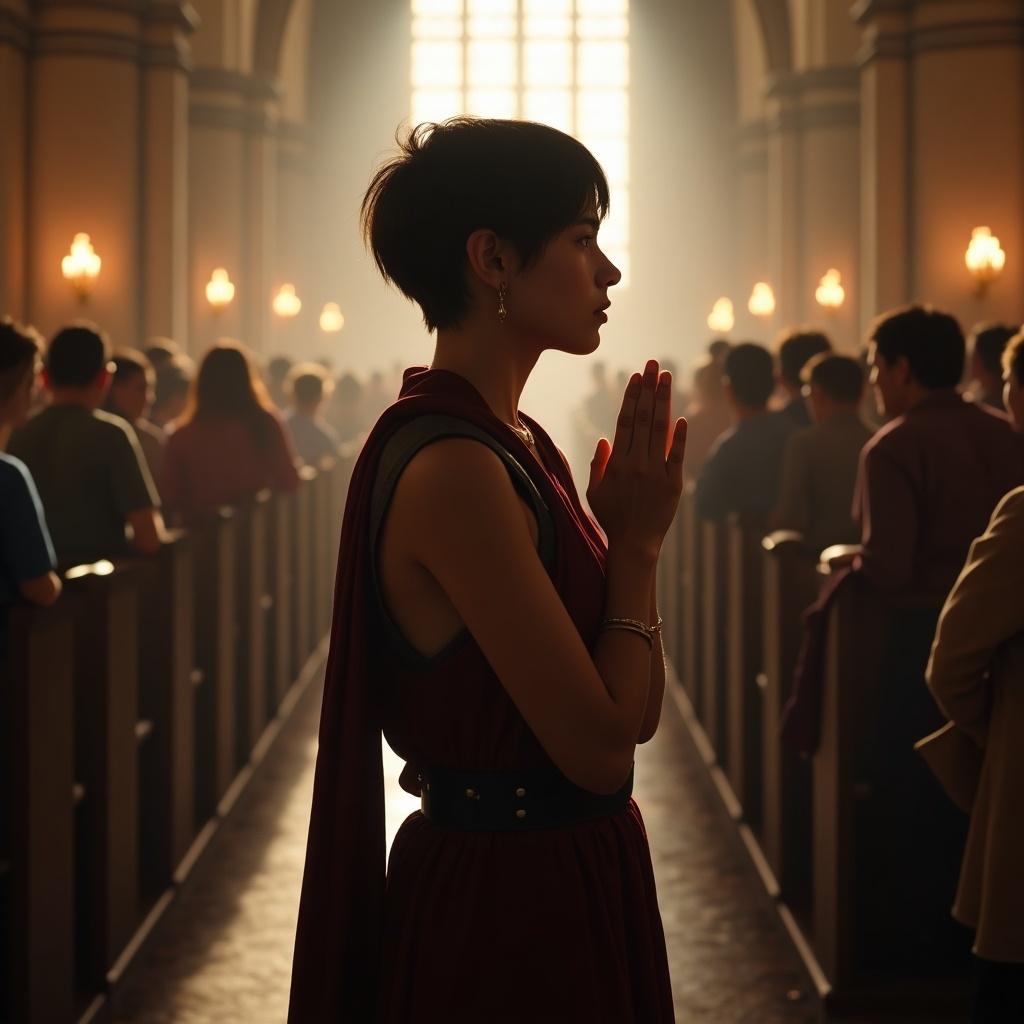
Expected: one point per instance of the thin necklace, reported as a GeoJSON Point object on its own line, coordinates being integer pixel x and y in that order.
{"type": "Point", "coordinates": [523, 432]}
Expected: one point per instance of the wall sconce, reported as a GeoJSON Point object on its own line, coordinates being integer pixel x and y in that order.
{"type": "Point", "coordinates": [830, 293]}
{"type": "Point", "coordinates": [81, 266]}
{"type": "Point", "coordinates": [985, 259]}
{"type": "Point", "coordinates": [721, 319]}
{"type": "Point", "coordinates": [331, 318]}
{"type": "Point", "coordinates": [762, 301]}
{"type": "Point", "coordinates": [286, 303]}
{"type": "Point", "coordinates": [220, 292]}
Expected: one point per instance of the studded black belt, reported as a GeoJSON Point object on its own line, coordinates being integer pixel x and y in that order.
{"type": "Point", "coordinates": [512, 801]}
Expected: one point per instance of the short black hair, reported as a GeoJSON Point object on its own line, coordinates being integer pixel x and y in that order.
{"type": "Point", "coordinates": [795, 346]}
{"type": "Point", "coordinates": [931, 341]}
{"type": "Point", "coordinates": [1013, 357]}
{"type": "Point", "coordinates": [840, 377]}
{"type": "Point", "coordinates": [751, 373]}
{"type": "Point", "coordinates": [308, 383]}
{"type": "Point", "coordinates": [988, 342]}
{"type": "Point", "coordinates": [719, 348]}
{"type": "Point", "coordinates": [278, 367]}
{"type": "Point", "coordinates": [76, 355]}
{"type": "Point", "coordinates": [161, 350]}
{"type": "Point", "coordinates": [129, 363]}
{"type": "Point", "coordinates": [525, 181]}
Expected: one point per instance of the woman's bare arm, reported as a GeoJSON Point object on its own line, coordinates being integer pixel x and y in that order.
{"type": "Point", "coordinates": [470, 535]}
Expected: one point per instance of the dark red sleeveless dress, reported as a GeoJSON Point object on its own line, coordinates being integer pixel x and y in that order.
{"type": "Point", "coordinates": [548, 925]}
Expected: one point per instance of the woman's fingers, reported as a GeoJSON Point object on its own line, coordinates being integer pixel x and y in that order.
{"type": "Point", "coordinates": [627, 414]}
{"type": "Point", "coordinates": [662, 415]}
{"type": "Point", "coordinates": [677, 452]}
{"type": "Point", "coordinates": [640, 448]}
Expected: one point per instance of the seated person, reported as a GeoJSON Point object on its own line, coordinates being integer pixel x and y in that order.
{"type": "Point", "coordinates": [161, 351]}
{"type": "Point", "coordinates": [27, 559]}
{"type": "Point", "coordinates": [229, 443]}
{"type": "Point", "coordinates": [309, 386]}
{"type": "Point", "coordinates": [742, 472]}
{"type": "Point", "coordinates": [87, 464]}
{"type": "Point", "coordinates": [277, 371]}
{"type": "Point", "coordinates": [173, 378]}
{"type": "Point", "coordinates": [930, 478]}
{"type": "Point", "coordinates": [819, 469]}
{"type": "Point", "coordinates": [347, 412]}
{"type": "Point", "coordinates": [794, 347]}
{"type": "Point", "coordinates": [130, 397]}
{"type": "Point", "coordinates": [708, 415]}
{"type": "Point", "coordinates": [987, 344]}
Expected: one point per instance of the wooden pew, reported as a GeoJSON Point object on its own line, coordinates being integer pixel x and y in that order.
{"type": "Point", "coordinates": [167, 666]}
{"type": "Point", "coordinates": [790, 586]}
{"type": "Point", "coordinates": [104, 603]}
{"type": "Point", "coordinates": [37, 861]}
{"type": "Point", "coordinates": [714, 711]}
{"type": "Point", "coordinates": [279, 570]}
{"type": "Point", "coordinates": [216, 643]}
{"type": "Point", "coordinates": [319, 568]}
{"type": "Point", "coordinates": [302, 561]}
{"type": "Point", "coordinates": [253, 525]}
{"type": "Point", "coordinates": [743, 622]}
{"type": "Point", "coordinates": [690, 665]}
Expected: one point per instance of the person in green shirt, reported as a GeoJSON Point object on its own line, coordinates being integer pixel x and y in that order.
{"type": "Point", "coordinates": [99, 498]}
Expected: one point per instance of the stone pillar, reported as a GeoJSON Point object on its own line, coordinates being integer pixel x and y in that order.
{"type": "Point", "coordinates": [813, 180]}
{"type": "Point", "coordinates": [943, 106]}
{"type": "Point", "coordinates": [165, 159]}
{"type": "Point", "coordinates": [232, 160]}
{"type": "Point", "coordinates": [14, 47]}
{"type": "Point", "coordinates": [753, 261]}
{"type": "Point", "coordinates": [85, 162]}
{"type": "Point", "coordinates": [292, 254]}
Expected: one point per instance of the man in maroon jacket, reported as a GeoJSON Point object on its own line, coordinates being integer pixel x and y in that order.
{"type": "Point", "coordinates": [928, 482]}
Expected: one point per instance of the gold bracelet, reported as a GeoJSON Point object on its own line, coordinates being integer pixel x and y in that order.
{"type": "Point", "coordinates": [631, 626]}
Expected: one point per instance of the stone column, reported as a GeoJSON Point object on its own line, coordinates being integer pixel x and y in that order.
{"type": "Point", "coordinates": [753, 262]}
{"type": "Point", "coordinates": [165, 178]}
{"type": "Point", "coordinates": [943, 106]}
{"type": "Point", "coordinates": [14, 47]}
{"type": "Point", "coordinates": [85, 161]}
{"type": "Point", "coordinates": [292, 254]}
{"type": "Point", "coordinates": [813, 179]}
{"type": "Point", "coordinates": [232, 163]}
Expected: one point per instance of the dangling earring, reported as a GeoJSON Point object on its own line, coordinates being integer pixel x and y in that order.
{"type": "Point", "coordinates": [502, 292]}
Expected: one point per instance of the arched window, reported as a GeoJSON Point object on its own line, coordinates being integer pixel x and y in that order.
{"type": "Point", "coordinates": [563, 62]}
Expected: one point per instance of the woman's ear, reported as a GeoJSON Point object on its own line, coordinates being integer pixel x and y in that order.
{"type": "Point", "coordinates": [489, 257]}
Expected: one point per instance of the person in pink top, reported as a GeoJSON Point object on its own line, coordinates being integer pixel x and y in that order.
{"type": "Point", "coordinates": [229, 442]}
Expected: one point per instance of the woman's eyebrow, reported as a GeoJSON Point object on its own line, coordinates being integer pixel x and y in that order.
{"type": "Point", "coordinates": [590, 222]}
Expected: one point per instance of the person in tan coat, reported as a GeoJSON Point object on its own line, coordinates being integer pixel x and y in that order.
{"type": "Point", "coordinates": [976, 674]}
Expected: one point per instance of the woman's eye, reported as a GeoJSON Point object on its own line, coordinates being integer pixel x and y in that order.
{"type": "Point", "coordinates": [586, 240]}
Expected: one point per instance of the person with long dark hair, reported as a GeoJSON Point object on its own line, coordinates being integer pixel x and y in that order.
{"type": "Point", "coordinates": [228, 443]}
{"type": "Point", "coordinates": [508, 649]}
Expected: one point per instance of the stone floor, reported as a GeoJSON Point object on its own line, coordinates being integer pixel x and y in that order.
{"type": "Point", "coordinates": [223, 952]}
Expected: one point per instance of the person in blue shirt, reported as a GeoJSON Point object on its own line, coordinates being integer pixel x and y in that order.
{"type": "Point", "coordinates": [27, 559]}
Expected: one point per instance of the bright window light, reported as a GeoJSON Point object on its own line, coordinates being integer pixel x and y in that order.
{"type": "Point", "coordinates": [561, 62]}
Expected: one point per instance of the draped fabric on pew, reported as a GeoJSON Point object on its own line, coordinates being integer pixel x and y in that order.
{"type": "Point", "coordinates": [557, 924]}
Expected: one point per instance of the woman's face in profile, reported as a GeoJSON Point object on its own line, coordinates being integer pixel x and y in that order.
{"type": "Point", "coordinates": [561, 299]}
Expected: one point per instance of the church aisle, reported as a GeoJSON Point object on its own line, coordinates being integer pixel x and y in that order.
{"type": "Point", "coordinates": [223, 954]}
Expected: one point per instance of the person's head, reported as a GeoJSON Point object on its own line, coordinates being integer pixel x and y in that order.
{"type": "Point", "coordinates": [986, 343]}
{"type": "Point", "coordinates": [1013, 378]}
{"type": "Point", "coordinates": [227, 386]}
{"type": "Point", "coordinates": [133, 386]}
{"type": "Point", "coordinates": [718, 349]}
{"type": "Point", "coordinates": [75, 367]}
{"type": "Point", "coordinates": [308, 385]}
{"type": "Point", "coordinates": [160, 351]}
{"type": "Point", "coordinates": [749, 376]}
{"type": "Point", "coordinates": [20, 349]}
{"type": "Point", "coordinates": [170, 393]}
{"type": "Point", "coordinates": [794, 347]}
{"type": "Point", "coordinates": [914, 351]}
{"type": "Point", "coordinates": [832, 384]}
{"type": "Point", "coordinates": [491, 224]}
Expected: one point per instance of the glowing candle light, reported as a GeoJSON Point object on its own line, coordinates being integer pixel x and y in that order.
{"type": "Point", "coordinates": [82, 265]}
{"type": "Point", "coordinates": [220, 292]}
{"type": "Point", "coordinates": [722, 319]}
{"type": "Point", "coordinates": [331, 318]}
{"type": "Point", "coordinates": [286, 303]}
{"type": "Point", "coordinates": [762, 300]}
{"type": "Point", "coordinates": [830, 293]}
